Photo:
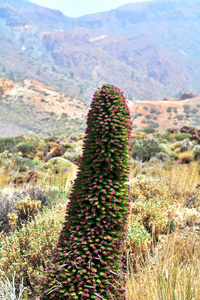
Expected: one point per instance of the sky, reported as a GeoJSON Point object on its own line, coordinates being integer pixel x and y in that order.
{"type": "Point", "coordinates": [77, 8]}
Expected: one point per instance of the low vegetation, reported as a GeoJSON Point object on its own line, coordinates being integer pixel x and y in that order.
{"type": "Point", "coordinates": [161, 256]}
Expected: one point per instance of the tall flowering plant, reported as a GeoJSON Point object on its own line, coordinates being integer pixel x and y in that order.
{"type": "Point", "coordinates": [86, 263]}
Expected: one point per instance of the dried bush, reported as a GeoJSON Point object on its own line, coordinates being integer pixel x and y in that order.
{"type": "Point", "coordinates": [8, 290]}
{"type": "Point", "coordinates": [186, 157]}
{"type": "Point", "coordinates": [30, 195]}
{"type": "Point", "coordinates": [26, 251]}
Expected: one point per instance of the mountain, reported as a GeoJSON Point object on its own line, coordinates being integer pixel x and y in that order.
{"type": "Point", "coordinates": [151, 50]}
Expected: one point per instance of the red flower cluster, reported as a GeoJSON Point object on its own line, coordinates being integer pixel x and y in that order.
{"type": "Point", "coordinates": [86, 263]}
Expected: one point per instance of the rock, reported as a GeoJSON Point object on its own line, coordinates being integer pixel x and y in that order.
{"type": "Point", "coordinates": [188, 129]}
{"type": "Point", "coordinates": [194, 132]}
{"type": "Point", "coordinates": [172, 131]}
{"type": "Point", "coordinates": [185, 96]}
{"type": "Point", "coordinates": [55, 152]}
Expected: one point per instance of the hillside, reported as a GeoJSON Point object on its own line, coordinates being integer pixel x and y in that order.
{"type": "Point", "coordinates": [30, 107]}
{"type": "Point", "coordinates": [169, 113]}
{"type": "Point", "coordinates": [150, 50]}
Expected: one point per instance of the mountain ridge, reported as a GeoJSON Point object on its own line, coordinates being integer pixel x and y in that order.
{"type": "Point", "coordinates": [150, 49]}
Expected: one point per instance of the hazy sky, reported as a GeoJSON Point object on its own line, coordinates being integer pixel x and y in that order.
{"type": "Point", "coordinates": [77, 8]}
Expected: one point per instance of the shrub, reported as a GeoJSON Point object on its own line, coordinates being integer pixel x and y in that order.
{"type": "Point", "coordinates": [9, 200]}
{"type": "Point", "coordinates": [148, 130]}
{"type": "Point", "coordinates": [150, 204]}
{"type": "Point", "coordinates": [29, 248]}
{"type": "Point", "coordinates": [73, 156]}
{"type": "Point", "coordinates": [194, 111]}
{"type": "Point", "coordinates": [138, 241]}
{"type": "Point", "coordinates": [153, 110]}
{"type": "Point", "coordinates": [26, 209]}
{"type": "Point", "coordinates": [37, 162]}
{"type": "Point", "coordinates": [186, 157]}
{"type": "Point", "coordinates": [6, 143]}
{"type": "Point", "coordinates": [175, 146]}
{"type": "Point", "coordinates": [186, 108]}
{"type": "Point", "coordinates": [168, 137]}
{"type": "Point", "coordinates": [153, 124]}
{"type": "Point", "coordinates": [25, 147]}
{"type": "Point", "coordinates": [68, 145]}
{"type": "Point", "coordinates": [25, 162]}
{"type": "Point", "coordinates": [40, 154]}
{"type": "Point", "coordinates": [182, 136]}
{"type": "Point", "coordinates": [145, 149]}
{"type": "Point", "coordinates": [58, 164]}
{"type": "Point", "coordinates": [90, 244]}
{"type": "Point", "coordinates": [162, 156]}
{"type": "Point", "coordinates": [196, 152]}
{"type": "Point", "coordinates": [175, 110]}
{"type": "Point", "coordinates": [180, 117]}
{"type": "Point", "coordinates": [169, 109]}
{"type": "Point", "coordinates": [173, 155]}
{"type": "Point", "coordinates": [23, 211]}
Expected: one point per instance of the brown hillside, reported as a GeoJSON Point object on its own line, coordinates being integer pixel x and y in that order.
{"type": "Point", "coordinates": [42, 98]}
{"type": "Point", "coordinates": [31, 102]}
{"type": "Point", "coordinates": [5, 85]}
{"type": "Point", "coordinates": [167, 113]}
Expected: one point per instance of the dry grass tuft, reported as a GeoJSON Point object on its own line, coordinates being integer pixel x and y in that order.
{"type": "Point", "coordinates": [5, 172]}
{"type": "Point", "coordinates": [171, 271]}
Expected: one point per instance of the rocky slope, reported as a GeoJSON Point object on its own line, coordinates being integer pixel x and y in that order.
{"type": "Point", "coordinates": [30, 107]}
{"type": "Point", "coordinates": [150, 50]}
{"type": "Point", "coordinates": [169, 113]}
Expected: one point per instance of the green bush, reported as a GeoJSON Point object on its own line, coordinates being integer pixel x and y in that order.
{"type": "Point", "coordinates": [7, 143]}
{"type": "Point", "coordinates": [145, 149]}
{"type": "Point", "coordinates": [148, 130]}
{"type": "Point", "coordinates": [154, 111]}
{"type": "Point", "coordinates": [180, 117]}
{"type": "Point", "coordinates": [153, 124]}
{"type": "Point", "coordinates": [167, 137]}
{"type": "Point", "coordinates": [162, 156]}
{"type": "Point", "coordinates": [86, 263]}
{"type": "Point", "coordinates": [196, 152]}
{"type": "Point", "coordinates": [25, 162]}
{"type": "Point", "coordinates": [25, 148]}
{"type": "Point", "coordinates": [182, 136]}
{"type": "Point", "coordinates": [186, 108]}
{"type": "Point", "coordinates": [194, 111]}
{"type": "Point", "coordinates": [169, 109]}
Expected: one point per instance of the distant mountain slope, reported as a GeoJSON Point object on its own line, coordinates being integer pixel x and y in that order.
{"type": "Point", "coordinates": [150, 49]}
{"type": "Point", "coordinates": [30, 107]}
{"type": "Point", "coordinates": [171, 113]}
